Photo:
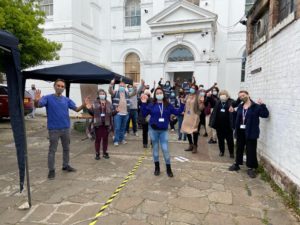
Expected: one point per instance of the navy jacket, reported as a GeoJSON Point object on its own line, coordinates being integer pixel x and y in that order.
{"type": "Point", "coordinates": [252, 119]}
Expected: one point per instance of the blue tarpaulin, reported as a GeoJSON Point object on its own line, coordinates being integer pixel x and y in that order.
{"type": "Point", "coordinates": [11, 59]}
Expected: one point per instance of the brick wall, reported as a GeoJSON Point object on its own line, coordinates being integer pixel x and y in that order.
{"type": "Point", "coordinates": [278, 84]}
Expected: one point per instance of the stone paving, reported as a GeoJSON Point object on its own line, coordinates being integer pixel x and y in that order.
{"type": "Point", "coordinates": [202, 192]}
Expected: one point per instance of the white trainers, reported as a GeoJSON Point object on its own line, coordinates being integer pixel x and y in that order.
{"type": "Point", "coordinates": [116, 144]}
{"type": "Point", "coordinates": [125, 134]}
{"type": "Point", "coordinates": [136, 134]}
{"type": "Point", "coordinates": [124, 142]}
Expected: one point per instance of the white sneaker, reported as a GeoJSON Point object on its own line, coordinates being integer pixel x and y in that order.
{"type": "Point", "coordinates": [136, 134]}
{"type": "Point", "coordinates": [124, 142]}
{"type": "Point", "coordinates": [125, 134]}
{"type": "Point", "coordinates": [116, 144]}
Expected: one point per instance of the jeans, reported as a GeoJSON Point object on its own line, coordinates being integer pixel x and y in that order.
{"type": "Point", "coordinates": [54, 136]}
{"type": "Point", "coordinates": [120, 122]}
{"type": "Point", "coordinates": [180, 120]}
{"type": "Point", "coordinates": [160, 136]}
{"type": "Point", "coordinates": [133, 114]}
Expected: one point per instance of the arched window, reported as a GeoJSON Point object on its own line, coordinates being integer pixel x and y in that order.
{"type": "Point", "coordinates": [132, 13]}
{"type": "Point", "coordinates": [180, 54]}
{"type": "Point", "coordinates": [132, 67]}
{"type": "Point", "coordinates": [243, 71]}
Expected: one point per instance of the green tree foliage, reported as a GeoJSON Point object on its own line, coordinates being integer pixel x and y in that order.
{"type": "Point", "coordinates": [23, 18]}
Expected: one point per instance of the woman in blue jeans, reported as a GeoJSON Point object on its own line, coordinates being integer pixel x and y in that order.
{"type": "Point", "coordinates": [160, 111]}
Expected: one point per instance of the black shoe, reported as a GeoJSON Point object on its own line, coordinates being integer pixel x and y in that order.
{"type": "Point", "coordinates": [106, 155]}
{"type": "Point", "coordinates": [51, 174]}
{"type": "Point", "coordinates": [169, 171]}
{"type": "Point", "coordinates": [221, 154]}
{"type": "Point", "coordinates": [157, 169]}
{"type": "Point", "coordinates": [210, 141]}
{"type": "Point", "coordinates": [232, 155]}
{"type": "Point", "coordinates": [97, 156]}
{"type": "Point", "coordinates": [145, 146]}
{"type": "Point", "coordinates": [69, 169]}
{"type": "Point", "coordinates": [179, 139]}
{"type": "Point", "coordinates": [214, 142]}
{"type": "Point", "coordinates": [234, 167]}
{"type": "Point", "coordinates": [205, 135]}
{"type": "Point", "coordinates": [251, 173]}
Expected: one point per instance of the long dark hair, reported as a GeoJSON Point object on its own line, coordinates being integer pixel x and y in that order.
{"type": "Point", "coordinates": [165, 100]}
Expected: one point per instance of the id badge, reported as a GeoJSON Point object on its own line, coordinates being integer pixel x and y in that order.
{"type": "Point", "coordinates": [222, 110]}
{"type": "Point", "coordinates": [102, 115]}
{"type": "Point", "coordinates": [243, 126]}
{"type": "Point", "coordinates": [161, 120]}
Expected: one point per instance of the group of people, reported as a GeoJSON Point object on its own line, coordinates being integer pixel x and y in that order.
{"type": "Point", "coordinates": [155, 110]}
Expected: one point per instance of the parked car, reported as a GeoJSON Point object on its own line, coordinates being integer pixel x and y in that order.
{"type": "Point", "coordinates": [4, 112]}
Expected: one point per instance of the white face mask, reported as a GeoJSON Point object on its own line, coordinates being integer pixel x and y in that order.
{"type": "Point", "coordinates": [223, 98]}
{"type": "Point", "coordinates": [102, 97]}
{"type": "Point", "coordinates": [215, 93]}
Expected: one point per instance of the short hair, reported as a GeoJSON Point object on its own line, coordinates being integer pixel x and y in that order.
{"type": "Point", "coordinates": [224, 92]}
{"type": "Point", "coordinates": [59, 80]}
{"type": "Point", "coordinates": [244, 91]}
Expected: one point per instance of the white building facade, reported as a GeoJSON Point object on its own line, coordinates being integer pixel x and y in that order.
{"type": "Point", "coordinates": [151, 39]}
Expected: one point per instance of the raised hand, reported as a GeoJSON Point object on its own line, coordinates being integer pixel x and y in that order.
{"type": "Point", "coordinates": [113, 81]}
{"type": "Point", "coordinates": [144, 98]}
{"type": "Point", "coordinates": [259, 101]}
{"type": "Point", "coordinates": [38, 95]}
{"type": "Point", "coordinates": [215, 84]}
{"type": "Point", "coordinates": [87, 102]}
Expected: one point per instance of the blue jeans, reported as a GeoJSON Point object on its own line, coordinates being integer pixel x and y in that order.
{"type": "Point", "coordinates": [180, 120]}
{"type": "Point", "coordinates": [133, 114]}
{"type": "Point", "coordinates": [160, 136]}
{"type": "Point", "coordinates": [120, 122]}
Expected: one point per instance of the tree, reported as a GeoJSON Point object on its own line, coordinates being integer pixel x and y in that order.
{"type": "Point", "coordinates": [24, 19]}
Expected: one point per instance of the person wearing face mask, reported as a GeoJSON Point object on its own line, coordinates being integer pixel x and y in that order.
{"type": "Point", "coordinates": [133, 112]}
{"type": "Point", "coordinates": [222, 120]}
{"type": "Point", "coordinates": [101, 110]}
{"type": "Point", "coordinates": [166, 87]}
{"type": "Point", "coordinates": [181, 98]}
{"type": "Point", "coordinates": [210, 102]}
{"type": "Point", "coordinates": [145, 120]}
{"type": "Point", "coordinates": [121, 107]}
{"type": "Point", "coordinates": [32, 93]}
{"type": "Point", "coordinates": [193, 107]}
{"type": "Point", "coordinates": [173, 101]}
{"type": "Point", "coordinates": [58, 123]}
{"type": "Point", "coordinates": [160, 111]}
{"type": "Point", "coordinates": [247, 131]}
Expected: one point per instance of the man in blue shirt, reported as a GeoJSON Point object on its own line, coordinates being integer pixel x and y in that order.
{"type": "Point", "coordinates": [58, 123]}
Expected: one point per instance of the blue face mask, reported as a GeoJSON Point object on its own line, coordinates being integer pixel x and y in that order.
{"type": "Point", "coordinates": [160, 97]}
{"type": "Point", "coordinates": [130, 89]}
{"type": "Point", "coordinates": [173, 94]}
{"type": "Point", "coordinates": [192, 90]}
{"type": "Point", "coordinates": [121, 89]}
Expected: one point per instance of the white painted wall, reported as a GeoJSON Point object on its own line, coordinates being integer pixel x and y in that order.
{"type": "Point", "coordinates": [94, 30]}
{"type": "Point", "coordinates": [279, 86]}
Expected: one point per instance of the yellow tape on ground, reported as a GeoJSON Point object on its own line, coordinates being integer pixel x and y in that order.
{"type": "Point", "coordinates": [119, 188]}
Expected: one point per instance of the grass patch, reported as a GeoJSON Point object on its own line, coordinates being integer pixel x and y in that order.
{"type": "Point", "coordinates": [289, 199]}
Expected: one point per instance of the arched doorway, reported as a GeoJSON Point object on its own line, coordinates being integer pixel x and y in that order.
{"type": "Point", "coordinates": [132, 67]}
{"type": "Point", "coordinates": [180, 64]}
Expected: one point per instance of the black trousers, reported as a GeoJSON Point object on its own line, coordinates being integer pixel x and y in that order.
{"type": "Point", "coordinates": [193, 140]}
{"type": "Point", "coordinates": [173, 123]}
{"type": "Point", "coordinates": [145, 133]}
{"type": "Point", "coordinates": [251, 150]}
{"type": "Point", "coordinates": [227, 134]}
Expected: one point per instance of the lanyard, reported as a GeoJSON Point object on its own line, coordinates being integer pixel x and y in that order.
{"type": "Point", "coordinates": [161, 109]}
{"type": "Point", "coordinates": [223, 105]}
{"type": "Point", "coordinates": [244, 115]}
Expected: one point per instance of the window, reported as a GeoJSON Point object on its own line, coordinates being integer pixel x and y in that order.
{"type": "Point", "coordinates": [260, 28]}
{"type": "Point", "coordinates": [47, 7]}
{"type": "Point", "coordinates": [132, 67]}
{"type": "Point", "coordinates": [180, 54]}
{"type": "Point", "coordinates": [285, 7]}
{"type": "Point", "coordinates": [248, 6]}
{"type": "Point", "coordinates": [132, 13]}
{"type": "Point", "coordinates": [196, 2]}
{"type": "Point", "coordinates": [243, 70]}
